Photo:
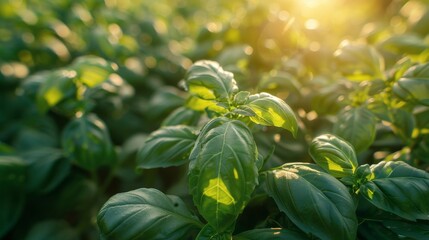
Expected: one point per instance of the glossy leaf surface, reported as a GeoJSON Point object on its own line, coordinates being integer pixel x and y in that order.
{"type": "Point", "coordinates": [145, 213]}
{"type": "Point", "coordinates": [222, 171]}
{"type": "Point", "coordinates": [398, 188]}
{"type": "Point", "coordinates": [414, 85]}
{"type": "Point", "coordinates": [314, 200]}
{"type": "Point", "coordinates": [334, 155]}
{"type": "Point", "coordinates": [166, 147]}
{"type": "Point", "coordinates": [272, 111]}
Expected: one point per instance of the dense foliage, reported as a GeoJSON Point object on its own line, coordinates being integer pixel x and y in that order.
{"type": "Point", "coordinates": [214, 120]}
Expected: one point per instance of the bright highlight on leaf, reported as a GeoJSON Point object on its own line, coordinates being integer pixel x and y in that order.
{"type": "Point", "coordinates": [217, 190]}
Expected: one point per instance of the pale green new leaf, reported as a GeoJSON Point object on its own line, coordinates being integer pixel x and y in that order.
{"type": "Point", "coordinates": [166, 147]}
{"type": "Point", "coordinates": [334, 155]}
{"type": "Point", "coordinates": [272, 111]}
{"type": "Point", "coordinates": [87, 143]}
{"type": "Point", "coordinates": [222, 171]}
{"type": "Point", "coordinates": [398, 188]}
{"type": "Point", "coordinates": [207, 80]}
{"type": "Point", "coordinates": [413, 86]}
{"type": "Point", "coordinates": [356, 126]}
{"type": "Point", "coordinates": [146, 214]}
{"type": "Point", "coordinates": [315, 201]}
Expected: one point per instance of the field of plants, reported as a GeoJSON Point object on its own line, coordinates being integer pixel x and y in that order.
{"type": "Point", "coordinates": [243, 120]}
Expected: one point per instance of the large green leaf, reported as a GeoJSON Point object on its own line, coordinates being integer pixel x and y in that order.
{"type": "Point", "coordinates": [272, 111]}
{"type": "Point", "coordinates": [359, 62]}
{"type": "Point", "coordinates": [415, 230]}
{"type": "Point", "coordinates": [57, 86]}
{"type": "Point", "coordinates": [146, 214]}
{"type": "Point", "coordinates": [398, 188]}
{"type": "Point", "coordinates": [12, 191]}
{"type": "Point", "coordinates": [86, 141]}
{"type": "Point", "coordinates": [47, 168]}
{"type": "Point", "coordinates": [222, 171]}
{"type": "Point", "coordinates": [356, 126]}
{"type": "Point", "coordinates": [207, 80]}
{"type": "Point", "coordinates": [270, 233]}
{"type": "Point", "coordinates": [334, 155]}
{"type": "Point", "coordinates": [413, 86]}
{"type": "Point", "coordinates": [166, 147]}
{"type": "Point", "coordinates": [315, 201]}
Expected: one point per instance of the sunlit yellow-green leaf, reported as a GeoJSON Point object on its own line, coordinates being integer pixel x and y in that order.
{"type": "Point", "coordinates": [92, 70]}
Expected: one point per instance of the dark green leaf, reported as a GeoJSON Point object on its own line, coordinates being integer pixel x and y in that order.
{"type": "Point", "coordinates": [413, 86]}
{"type": "Point", "coordinates": [145, 214]}
{"type": "Point", "coordinates": [222, 171]}
{"type": "Point", "coordinates": [270, 233]}
{"type": "Point", "coordinates": [209, 233]}
{"type": "Point", "coordinates": [86, 141]}
{"type": "Point", "coordinates": [207, 80]}
{"type": "Point", "coordinates": [398, 188]}
{"type": "Point", "coordinates": [12, 191]}
{"type": "Point", "coordinates": [334, 155]}
{"type": "Point", "coordinates": [47, 168]}
{"type": "Point", "coordinates": [182, 116]}
{"type": "Point", "coordinates": [52, 230]}
{"type": "Point", "coordinates": [376, 230]}
{"type": "Point", "coordinates": [356, 126]}
{"type": "Point", "coordinates": [272, 111]}
{"type": "Point", "coordinates": [359, 62]}
{"type": "Point", "coordinates": [166, 147]}
{"type": "Point", "coordinates": [315, 201]}
{"type": "Point", "coordinates": [415, 230]}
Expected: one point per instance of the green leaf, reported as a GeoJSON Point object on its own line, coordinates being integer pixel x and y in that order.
{"type": "Point", "coordinates": [334, 155]}
{"type": "Point", "coordinates": [207, 80]}
{"type": "Point", "coordinates": [209, 233]}
{"type": "Point", "coordinates": [413, 86]}
{"type": "Point", "coordinates": [359, 62]}
{"type": "Point", "coordinates": [12, 191]}
{"type": "Point", "coordinates": [182, 116]}
{"type": "Point", "coordinates": [376, 230]}
{"type": "Point", "coordinates": [52, 230]}
{"type": "Point", "coordinates": [270, 233]}
{"type": "Point", "coordinates": [47, 168]}
{"type": "Point", "coordinates": [222, 171]}
{"type": "Point", "coordinates": [145, 213]}
{"type": "Point", "coordinates": [86, 141]}
{"type": "Point", "coordinates": [398, 188]}
{"type": "Point", "coordinates": [272, 111]}
{"type": "Point", "coordinates": [405, 44]}
{"type": "Point", "coordinates": [415, 230]}
{"type": "Point", "coordinates": [356, 126]}
{"type": "Point", "coordinates": [92, 70]}
{"type": "Point", "coordinates": [166, 147]}
{"type": "Point", "coordinates": [315, 201]}
{"type": "Point", "coordinates": [58, 85]}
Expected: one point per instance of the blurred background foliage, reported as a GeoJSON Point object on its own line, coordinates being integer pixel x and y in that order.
{"type": "Point", "coordinates": [321, 56]}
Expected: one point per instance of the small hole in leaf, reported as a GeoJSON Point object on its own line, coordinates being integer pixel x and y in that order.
{"type": "Point", "coordinates": [176, 204]}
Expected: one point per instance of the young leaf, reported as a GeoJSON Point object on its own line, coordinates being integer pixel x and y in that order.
{"type": "Point", "coordinates": [334, 155]}
{"type": "Point", "coordinates": [145, 213]}
{"type": "Point", "coordinates": [86, 141]}
{"type": "Point", "coordinates": [166, 147]}
{"type": "Point", "coordinates": [222, 171]}
{"type": "Point", "coordinates": [413, 86]}
{"type": "Point", "coordinates": [356, 126]}
{"type": "Point", "coordinates": [315, 201]}
{"type": "Point", "coordinates": [270, 233]}
{"type": "Point", "coordinates": [398, 188]}
{"type": "Point", "coordinates": [207, 80]}
{"type": "Point", "coordinates": [272, 111]}
{"type": "Point", "coordinates": [12, 191]}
